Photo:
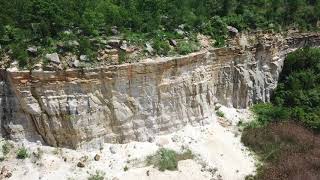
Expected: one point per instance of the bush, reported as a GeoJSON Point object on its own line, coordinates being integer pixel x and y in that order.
{"type": "Point", "coordinates": [122, 57]}
{"type": "Point", "coordinates": [186, 47]}
{"type": "Point", "coordinates": [22, 153]}
{"type": "Point", "coordinates": [87, 48]}
{"type": "Point", "coordinates": [125, 168]}
{"type": "Point", "coordinates": [161, 47]}
{"type": "Point", "coordinates": [166, 159]}
{"type": "Point", "coordinates": [6, 147]}
{"type": "Point", "coordinates": [20, 54]}
{"type": "Point", "coordinates": [267, 113]}
{"type": "Point", "coordinates": [220, 113]}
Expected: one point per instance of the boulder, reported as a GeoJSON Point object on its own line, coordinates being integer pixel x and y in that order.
{"type": "Point", "coordinates": [149, 48]}
{"type": "Point", "coordinates": [83, 57]}
{"type": "Point", "coordinates": [54, 57]}
{"type": "Point", "coordinates": [232, 30]}
{"type": "Point", "coordinates": [37, 67]}
{"type": "Point", "coordinates": [173, 42]}
{"type": "Point", "coordinates": [180, 32]}
{"type": "Point", "coordinates": [115, 43]}
{"type": "Point", "coordinates": [124, 46]}
{"type": "Point", "coordinates": [76, 63]}
{"type": "Point", "coordinates": [32, 50]}
{"type": "Point", "coordinates": [73, 43]}
{"type": "Point", "coordinates": [114, 30]}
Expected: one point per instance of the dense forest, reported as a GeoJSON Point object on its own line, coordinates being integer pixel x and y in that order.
{"type": "Point", "coordinates": [43, 22]}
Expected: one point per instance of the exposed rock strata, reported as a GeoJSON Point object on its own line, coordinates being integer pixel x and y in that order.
{"type": "Point", "coordinates": [117, 104]}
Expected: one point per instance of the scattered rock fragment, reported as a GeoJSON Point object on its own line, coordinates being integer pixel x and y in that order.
{"type": "Point", "coordinates": [97, 157]}
{"type": "Point", "coordinates": [5, 173]}
{"type": "Point", "coordinates": [112, 149]}
{"type": "Point", "coordinates": [81, 164]}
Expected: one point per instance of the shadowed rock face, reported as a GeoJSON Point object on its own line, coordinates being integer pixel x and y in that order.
{"type": "Point", "coordinates": [118, 104]}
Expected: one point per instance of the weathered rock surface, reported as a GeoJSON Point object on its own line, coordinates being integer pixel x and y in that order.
{"type": "Point", "coordinates": [118, 104]}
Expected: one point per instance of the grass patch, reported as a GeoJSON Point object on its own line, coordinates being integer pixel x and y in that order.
{"type": "Point", "coordinates": [166, 159]}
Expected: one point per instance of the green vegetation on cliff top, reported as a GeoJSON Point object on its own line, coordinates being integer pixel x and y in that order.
{"type": "Point", "coordinates": [50, 23]}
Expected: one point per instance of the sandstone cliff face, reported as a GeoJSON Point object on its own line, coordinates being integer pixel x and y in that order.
{"type": "Point", "coordinates": [117, 104]}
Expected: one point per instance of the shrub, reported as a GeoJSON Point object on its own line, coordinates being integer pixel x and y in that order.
{"type": "Point", "coordinates": [166, 159]}
{"type": "Point", "coordinates": [122, 56]}
{"type": "Point", "coordinates": [161, 47]}
{"type": "Point", "coordinates": [220, 113]}
{"type": "Point", "coordinates": [99, 175]}
{"type": "Point", "coordinates": [267, 112]}
{"type": "Point", "coordinates": [87, 48]}
{"type": "Point", "coordinates": [20, 54]}
{"type": "Point", "coordinates": [22, 153]}
{"type": "Point", "coordinates": [6, 147]}
{"type": "Point", "coordinates": [186, 47]}
{"type": "Point", "coordinates": [126, 168]}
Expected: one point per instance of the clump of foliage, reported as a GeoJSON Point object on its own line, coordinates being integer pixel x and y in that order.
{"type": "Point", "coordinates": [266, 113]}
{"type": "Point", "coordinates": [6, 147]}
{"type": "Point", "coordinates": [22, 153]}
{"type": "Point", "coordinates": [166, 159]}
{"type": "Point", "coordinates": [122, 57]}
{"type": "Point", "coordinates": [220, 113]}
{"type": "Point", "coordinates": [99, 175]}
{"type": "Point", "coordinates": [162, 47]}
{"type": "Point", "coordinates": [125, 168]}
{"type": "Point", "coordinates": [186, 47]}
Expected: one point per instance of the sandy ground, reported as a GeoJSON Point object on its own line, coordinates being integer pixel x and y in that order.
{"type": "Point", "coordinates": [218, 152]}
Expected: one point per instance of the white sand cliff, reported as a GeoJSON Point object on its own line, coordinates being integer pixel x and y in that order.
{"type": "Point", "coordinates": [218, 152]}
